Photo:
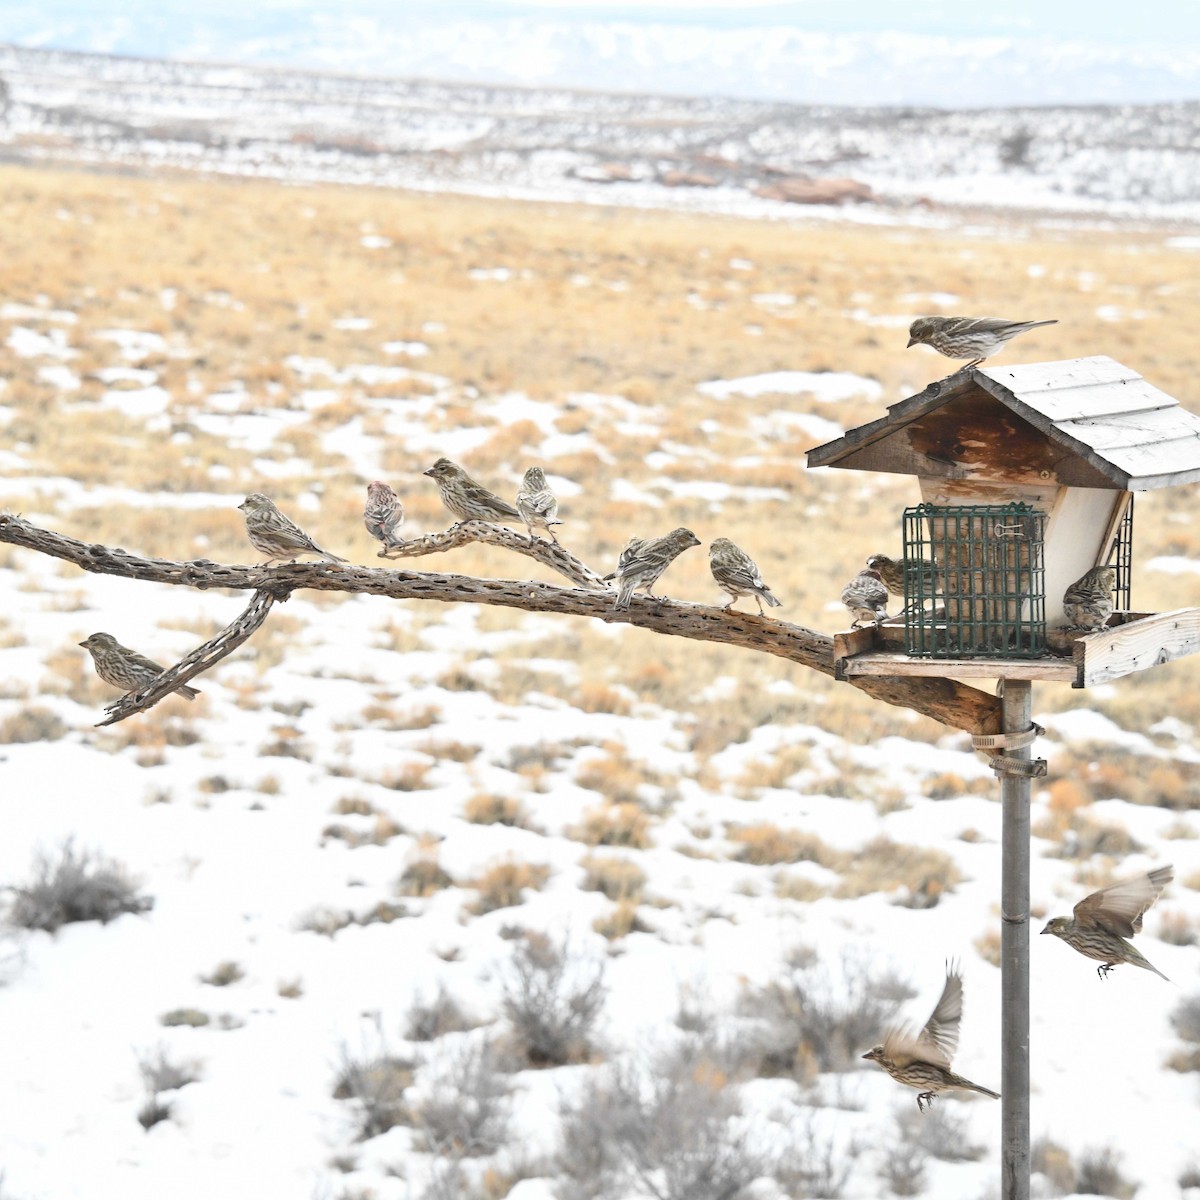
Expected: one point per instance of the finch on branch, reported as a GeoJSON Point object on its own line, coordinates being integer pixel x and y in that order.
{"type": "Point", "coordinates": [736, 573]}
{"type": "Point", "coordinates": [536, 503]}
{"type": "Point", "coordinates": [277, 536]}
{"type": "Point", "coordinates": [383, 513]}
{"type": "Point", "coordinates": [644, 559]}
{"type": "Point", "coordinates": [466, 499]}
{"type": "Point", "coordinates": [126, 669]}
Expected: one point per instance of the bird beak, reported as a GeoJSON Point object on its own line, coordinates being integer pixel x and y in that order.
{"type": "Point", "coordinates": [1047, 929]}
{"type": "Point", "coordinates": [83, 644]}
{"type": "Point", "coordinates": [429, 472]}
{"type": "Point", "coordinates": [911, 342]}
{"type": "Point", "coordinates": [867, 1055]}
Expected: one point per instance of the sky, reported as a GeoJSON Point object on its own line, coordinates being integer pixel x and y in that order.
{"type": "Point", "coordinates": [950, 54]}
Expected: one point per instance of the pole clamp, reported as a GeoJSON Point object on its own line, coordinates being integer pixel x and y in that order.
{"type": "Point", "coordinates": [1001, 763]}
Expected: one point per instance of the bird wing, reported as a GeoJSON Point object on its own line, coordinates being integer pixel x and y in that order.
{"type": "Point", "coordinates": [1119, 907]}
{"type": "Point", "coordinates": [480, 495]}
{"type": "Point", "coordinates": [937, 1042]}
{"type": "Point", "coordinates": [542, 503]}
{"type": "Point", "coordinates": [142, 662]}
{"type": "Point", "coordinates": [742, 573]}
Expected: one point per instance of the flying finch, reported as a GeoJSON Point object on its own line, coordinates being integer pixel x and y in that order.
{"type": "Point", "coordinates": [922, 1060]}
{"type": "Point", "coordinates": [1103, 920]}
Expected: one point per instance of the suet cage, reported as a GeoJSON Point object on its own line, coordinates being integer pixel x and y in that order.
{"type": "Point", "coordinates": [984, 595]}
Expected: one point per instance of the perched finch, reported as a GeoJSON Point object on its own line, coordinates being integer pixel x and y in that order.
{"type": "Point", "coordinates": [975, 338]}
{"type": "Point", "coordinates": [1103, 920]}
{"type": "Point", "coordinates": [277, 536]}
{"type": "Point", "coordinates": [735, 571]}
{"type": "Point", "coordinates": [923, 1060]}
{"type": "Point", "coordinates": [466, 499]}
{"type": "Point", "coordinates": [383, 514]}
{"type": "Point", "coordinates": [536, 503]}
{"type": "Point", "coordinates": [1088, 602]}
{"type": "Point", "coordinates": [644, 559]}
{"type": "Point", "coordinates": [866, 598]}
{"type": "Point", "coordinates": [893, 570]}
{"type": "Point", "coordinates": [124, 668]}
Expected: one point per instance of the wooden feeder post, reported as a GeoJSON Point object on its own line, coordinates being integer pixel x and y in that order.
{"type": "Point", "coordinates": [1027, 476]}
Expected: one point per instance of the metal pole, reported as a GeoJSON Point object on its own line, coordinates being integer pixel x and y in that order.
{"type": "Point", "coordinates": [1017, 715]}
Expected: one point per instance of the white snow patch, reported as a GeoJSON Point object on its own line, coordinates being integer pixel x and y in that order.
{"type": "Point", "coordinates": [829, 387]}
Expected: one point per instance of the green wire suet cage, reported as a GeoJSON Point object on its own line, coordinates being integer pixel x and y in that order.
{"type": "Point", "coordinates": [974, 581]}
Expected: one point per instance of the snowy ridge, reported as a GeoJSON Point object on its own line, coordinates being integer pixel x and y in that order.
{"type": "Point", "coordinates": [704, 154]}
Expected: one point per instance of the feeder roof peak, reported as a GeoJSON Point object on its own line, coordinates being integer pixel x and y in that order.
{"type": "Point", "coordinates": [1100, 425]}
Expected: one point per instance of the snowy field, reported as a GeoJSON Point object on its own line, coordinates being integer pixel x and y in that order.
{"type": "Point", "coordinates": [314, 836]}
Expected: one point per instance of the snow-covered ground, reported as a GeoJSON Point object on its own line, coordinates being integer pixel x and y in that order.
{"type": "Point", "coordinates": [271, 820]}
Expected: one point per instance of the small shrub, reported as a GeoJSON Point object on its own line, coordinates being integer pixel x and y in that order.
{"type": "Point", "coordinates": [423, 876]}
{"type": "Point", "coordinates": [1100, 1175]}
{"type": "Point", "coordinates": [223, 974]}
{"type": "Point", "coordinates": [616, 878]}
{"type": "Point", "coordinates": [678, 1123]}
{"type": "Point", "coordinates": [484, 808]}
{"type": "Point", "coordinates": [1054, 1162]}
{"type": "Point", "coordinates": [767, 845]}
{"type": "Point", "coordinates": [882, 865]}
{"type": "Point", "coordinates": [458, 752]}
{"type": "Point", "coordinates": [504, 885]}
{"type": "Point", "coordinates": [903, 1168]}
{"type": "Point", "coordinates": [192, 1017]}
{"type": "Point", "coordinates": [75, 885]}
{"type": "Point", "coordinates": [32, 724]}
{"type": "Point", "coordinates": [376, 1082]}
{"type": "Point", "coordinates": [988, 946]}
{"type": "Point", "coordinates": [620, 921]}
{"type": "Point", "coordinates": [410, 777]}
{"type": "Point", "coordinates": [429, 1019]}
{"type": "Point", "coordinates": [614, 825]}
{"type": "Point", "coordinates": [325, 921]}
{"type": "Point", "coordinates": [809, 1021]}
{"type": "Point", "coordinates": [160, 1073]}
{"type": "Point", "coordinates": [552, 998]}
{"type": "Point", "coordinates": [940, 1133]}
{"type": "Point", "coordinates": [792, 886]}
{"type": "Point", "coordinates": [1178, 928]}
{"type": "Point", "coordinates": [465, 1113]}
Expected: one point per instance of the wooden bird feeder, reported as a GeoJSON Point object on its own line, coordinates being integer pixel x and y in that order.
{"type": "Point", "coordinates": [1027, 475]}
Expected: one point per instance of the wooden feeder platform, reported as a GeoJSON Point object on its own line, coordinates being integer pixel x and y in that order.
{"type": "Point", "coordinates": [1130, 642]}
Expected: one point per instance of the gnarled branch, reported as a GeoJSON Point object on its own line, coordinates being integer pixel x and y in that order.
{"type": "Point", "coordinates": [549, 554]}
{"type": "Point", "coordinates": [945, 700]}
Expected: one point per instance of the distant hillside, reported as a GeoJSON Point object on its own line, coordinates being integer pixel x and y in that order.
{"type": "Point", "coordinates": [740, 156]}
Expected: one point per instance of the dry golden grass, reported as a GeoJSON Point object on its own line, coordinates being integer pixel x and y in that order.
{"type": "Point", "coordinates": [258, 274]}
{"type": "Point", "coordinates": [504, 885]}
{"type": "Point", "coordinates": [617, 878]}
{"type": "Point", "coordinates": [768, 845]}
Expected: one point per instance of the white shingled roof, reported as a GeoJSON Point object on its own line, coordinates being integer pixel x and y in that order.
{"type": "Point", "coordinates": [1133, 434]}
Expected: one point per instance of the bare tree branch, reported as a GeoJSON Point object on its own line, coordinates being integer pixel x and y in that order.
{"type": "Point", "coordinates": [945, 700]}
{"type": "Point", "coordinates": [549, 554]}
